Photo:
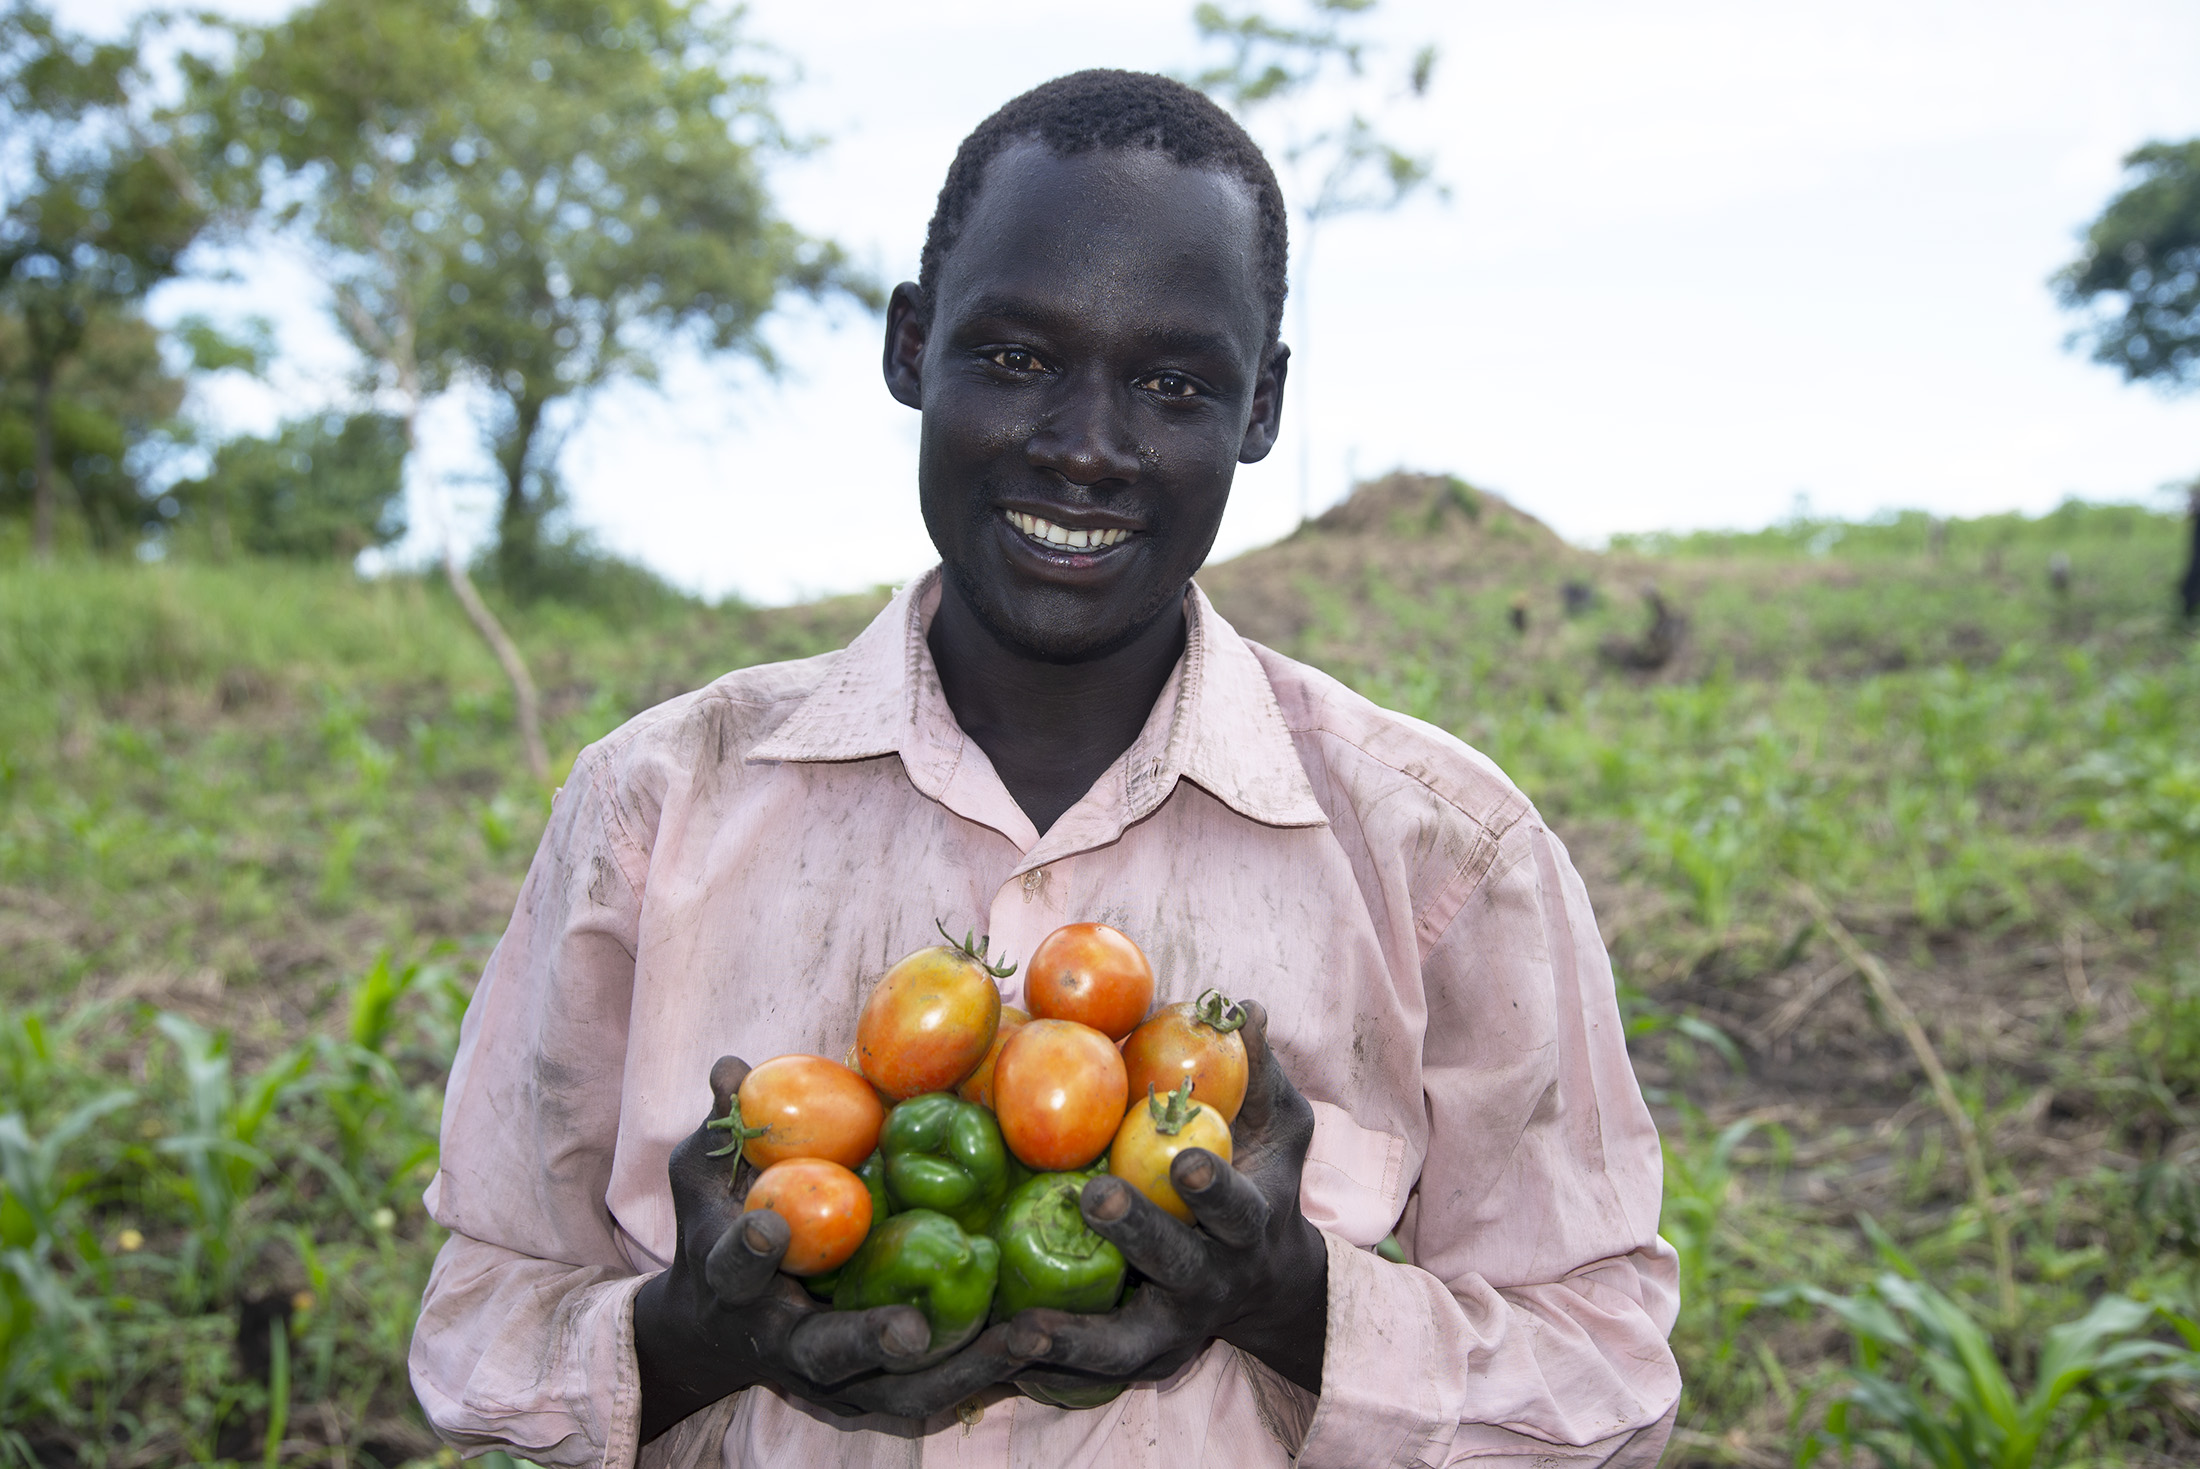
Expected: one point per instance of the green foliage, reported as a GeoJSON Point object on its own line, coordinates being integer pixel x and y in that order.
{"type": "Point", "coordinates": [99, 212]}
{"type": "Point", "coordinates": [2144, 254]}
{"type": "Point", "coordinates": [1340, 167]}
{"type": "Point", "coordinates": [324, 487]}
{"type": "Point", "coordinates": [1928, 1388]}
{"type": "Point", "coordinates": [113, 398]}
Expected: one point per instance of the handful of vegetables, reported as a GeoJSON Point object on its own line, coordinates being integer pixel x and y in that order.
{"type": "Point", "coordinates": [941, 1167]}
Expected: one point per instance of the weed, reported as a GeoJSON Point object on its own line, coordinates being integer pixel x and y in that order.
{"type": "Point", "coordinates": [1928, 1388]}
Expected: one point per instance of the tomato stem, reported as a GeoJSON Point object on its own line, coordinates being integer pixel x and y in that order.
{"type": "Point", "coordinates": [1218, 1013]}
{"type": "Point", "coordinates": [741, 1131]}
{"type": "Point", "coordinates": [1169, 1117]}
{"type": "Point", "coordinates": [973, 947]}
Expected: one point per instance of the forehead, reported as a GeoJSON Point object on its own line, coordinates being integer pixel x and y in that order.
{"type": "Point", "coordinates": [1108, 231]}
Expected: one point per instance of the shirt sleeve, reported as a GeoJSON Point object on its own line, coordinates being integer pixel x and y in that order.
{"type": "Point", "coordinates": [525, 1338]}
{"type": "Point", "coordinates": [1532, 1324]}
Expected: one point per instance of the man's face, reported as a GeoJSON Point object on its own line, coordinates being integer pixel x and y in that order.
{"type": "Point", "coordinates": [1095, 369]}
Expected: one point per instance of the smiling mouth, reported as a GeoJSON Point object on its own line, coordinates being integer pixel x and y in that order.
{"type": "Point", "coordinates": [1061, 537]}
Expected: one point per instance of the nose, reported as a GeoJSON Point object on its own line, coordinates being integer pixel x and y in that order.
{"type": "Point", "coordinates": [1085, 436]}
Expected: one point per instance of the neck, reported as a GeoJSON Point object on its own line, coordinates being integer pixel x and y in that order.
{"type": "Point", "coordinates": [1050, 729]}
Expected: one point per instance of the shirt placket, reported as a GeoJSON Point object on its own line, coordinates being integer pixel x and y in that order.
{"type": "Point", "coordinates": [1025, 909]}
{"type": "Point", "coordinates": [977, 1437]}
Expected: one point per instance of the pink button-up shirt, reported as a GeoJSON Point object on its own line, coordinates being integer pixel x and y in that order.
{"type": "Point", "coordinates": [728, 873]}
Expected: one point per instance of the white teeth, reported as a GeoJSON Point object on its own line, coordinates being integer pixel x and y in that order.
{"type": "Point", "coordinates": [1056, 535]}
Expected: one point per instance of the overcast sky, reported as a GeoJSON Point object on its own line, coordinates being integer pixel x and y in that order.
{"type": "Point", "coordinates": [1698, 258]}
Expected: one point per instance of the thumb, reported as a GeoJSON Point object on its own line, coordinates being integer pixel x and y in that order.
{"type": "Point", "coordinates": [726, 1075]}
{"type": "Point", "coordinates": [1261, 1072]}
{"type": "Point", "coordinates": [1273, 1117]}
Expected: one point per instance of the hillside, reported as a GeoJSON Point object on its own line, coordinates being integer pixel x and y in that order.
{"type": "Point", "coordinates": [283, 804]}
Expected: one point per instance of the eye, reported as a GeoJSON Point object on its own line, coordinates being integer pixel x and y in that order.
{"type": "Point", "coordinates": [1170, 385]}
{"type": "Point", "coordinates": [1015, 359]}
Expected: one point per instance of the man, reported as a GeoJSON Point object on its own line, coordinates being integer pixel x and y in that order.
{"type": "Point", "coordinates": [1057, 727]}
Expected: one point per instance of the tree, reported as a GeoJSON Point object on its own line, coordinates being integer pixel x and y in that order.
{"type": "Point", "coordinates": [2139, 276]}
{"type": "Point", "coordinates": [1332, 167]}
{"type": "Point", "coordinates": [108, 400]}
{"type": "Point", "coordinates": [325, 486]}
{"type": "Point", "coordinates": [2143, 256]}
{"type": "Point", "coordinates": [531, 197]}
{"type": "Point", "coordinates": [99, 211]}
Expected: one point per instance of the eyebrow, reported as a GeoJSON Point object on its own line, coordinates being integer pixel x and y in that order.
{"type": "Point", "coordinates": [1188, 341]}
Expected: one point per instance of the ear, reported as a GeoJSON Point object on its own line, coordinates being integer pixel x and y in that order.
{"type": "Point", "coordinates": [904, 356]}
{"type": "Point", "coordinates": [1267, 416]}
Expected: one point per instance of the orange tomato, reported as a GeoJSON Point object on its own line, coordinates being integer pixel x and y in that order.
{"type": "Point", "coordinates": [827, 1209]}
{"type": "Point", "coordinates": [1058, 1091]}
{"type": "Point", "coordinates": [978, 1085]}
{"type": "Point", "coordinates": [1195, 1041]}
{"type": "Point", "coordinates": [930, 1021]}
{"type": "Point", "coordinates": [1153, 1134]}
{"type": "Point", "coordinates": [808, 1107]}
{"type": "Point", "coordinates": [1089, 973]}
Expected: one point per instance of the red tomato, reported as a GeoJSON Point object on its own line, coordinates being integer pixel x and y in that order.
{"type": "Point", "coordinates": [1058, 1090]}
{"type": "Point", "coordinates": [1154, 1133]}
{"type": "Point", "coordinates": [1089, 973]}
{"type": "Point", "coordinates": [827, 1209]}
{"type": "Point", "coordinates": [1195, 1041]}
{"type": "Point", "coordinates": [930, 1021]}
{"type": "Point", "coordinates": [978, 1085]}
{"type": "Point", "coordinates": [808, 1107]}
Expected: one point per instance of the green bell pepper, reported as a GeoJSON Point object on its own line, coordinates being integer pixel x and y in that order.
{"type": "Point", "coordinates": [873, 1174]}
{"type": "Point", "coordinates": [922, 1258]}
{"type": "Point", "coordinates": [945, 1154]}
{"type": "Point", "coordinates": [1049, 1255]}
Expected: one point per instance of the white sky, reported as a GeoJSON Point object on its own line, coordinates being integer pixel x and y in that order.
{"type": "Point", "coordinates": [1698, 258]}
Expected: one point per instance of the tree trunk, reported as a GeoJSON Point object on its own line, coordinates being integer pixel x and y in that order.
{"type": "Point", "coordinates": [42, 489]}
{"type": "Point", "coordinates": [2191, 587]}
{"type": "Point", "coordinates": [519, 526]}
{"type": "Point", "coordinates": [528, 706]}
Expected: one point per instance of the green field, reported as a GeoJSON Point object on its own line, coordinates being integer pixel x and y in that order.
{"type": "Point", "coordinates": [259, 825]}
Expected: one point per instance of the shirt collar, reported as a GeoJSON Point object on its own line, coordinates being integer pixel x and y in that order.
{"type": "Point", "coordinates": [1216, 724]}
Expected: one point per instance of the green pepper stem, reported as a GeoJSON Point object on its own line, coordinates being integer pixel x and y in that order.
{"type": "Point", "coordinates": [1169, 1117]}
{"type": "Point", "coordinates": [1215, 1012]}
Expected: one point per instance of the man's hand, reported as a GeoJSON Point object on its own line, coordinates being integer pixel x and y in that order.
{"type": "Point", "coordinates": [1255, 1273]}
{"type": "Point", "coordinates": [721, 1317]}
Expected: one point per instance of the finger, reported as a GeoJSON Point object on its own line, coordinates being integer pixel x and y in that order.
{"type": "Point", "coordinates": [1157, 1369]}
{"type": "Point", "coordinates": [745, 1257]}
{"type": "Point", "coordinates": [1274, 1120]}
{"type": "Point", "coordinates": [1161, 1248]}
{"type": "Point", "coordinates": [726, 1075]}
{"type": "Point", "coordinates": [989, 1359]}
{"type": "Point", "coordinates": [1227, 1204]}
{"type": "Point", "coordinates": [834, 1346]}
{"type": "Point", "coordinates": [1114, 1345]}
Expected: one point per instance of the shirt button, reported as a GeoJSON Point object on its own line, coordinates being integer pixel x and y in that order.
{"type": "Point", "coordinates": [1034, 880]}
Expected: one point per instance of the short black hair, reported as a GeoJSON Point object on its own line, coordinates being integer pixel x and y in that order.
{"type": "Point", "coordinates": [1090, 110]}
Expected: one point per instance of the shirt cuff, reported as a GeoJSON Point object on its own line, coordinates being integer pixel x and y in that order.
{"type": "Point", "coordinates": [1390, 1378]}
{"type": "Point", "coordinates": [575, 1402]}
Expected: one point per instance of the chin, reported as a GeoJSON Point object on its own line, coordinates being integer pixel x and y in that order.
{"type": "Point", "coordinates": [1058, 629]}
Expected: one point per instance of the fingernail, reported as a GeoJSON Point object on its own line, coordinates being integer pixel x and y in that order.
{"type": "Point", "coordinates": [904, 1336]}
{"type": "Point", "coordinates": [1111, 1200]}
{"type": "Point", "coordinates": [756, 1237]}
{"type": "Point", "coordinates": [1196, 1174]}
{"type": "Point", "coordinates": [1029, 1341]}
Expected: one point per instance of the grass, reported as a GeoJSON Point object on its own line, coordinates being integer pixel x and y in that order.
{"type": "Point", "coordinates": [259, 826]}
